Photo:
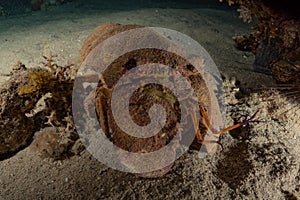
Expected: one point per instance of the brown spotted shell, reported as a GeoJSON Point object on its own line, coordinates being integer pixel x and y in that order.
{"type": "Point", "coordinates": [100, 34]}
{"type": "Point", "coordinates": [141, 102]}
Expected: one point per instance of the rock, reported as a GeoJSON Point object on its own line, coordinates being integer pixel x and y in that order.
{"type": "Point", "coordinates": [16, 130]}
{"type": "Point", "coordinates": [31, 100]}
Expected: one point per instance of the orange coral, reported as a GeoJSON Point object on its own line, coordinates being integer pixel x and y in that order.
{"type": "Point", "coordinates": [36, 81]}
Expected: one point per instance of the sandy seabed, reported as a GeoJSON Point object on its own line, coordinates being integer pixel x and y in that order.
{"type": "Point", "coordinates": [259, 161]}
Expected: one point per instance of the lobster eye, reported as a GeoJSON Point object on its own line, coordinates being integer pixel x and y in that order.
{"type": "Point", "coordinates": [130, 64]}
{"type": "Point", "coordinates": [190, 67]}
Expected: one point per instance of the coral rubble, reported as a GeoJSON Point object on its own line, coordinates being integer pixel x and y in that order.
{"type": "Point", "coordinates": [32, 100]}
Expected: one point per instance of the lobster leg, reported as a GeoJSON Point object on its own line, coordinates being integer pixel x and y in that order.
{"type": "Point", "coordinates": [246, 121]}
{"type": "Point", "coordinates": [207, 123]}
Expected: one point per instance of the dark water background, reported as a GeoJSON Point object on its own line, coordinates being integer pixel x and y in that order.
{"type": "Point", "coordinates": [17, 7]}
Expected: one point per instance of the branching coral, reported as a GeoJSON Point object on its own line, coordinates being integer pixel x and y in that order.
{"type": "Point", "coordinates": [276, 40]}
{"type": "Point", "coordinates": [275, 43]}
{"type": "Point", "coordinates": [245, 14]}
{"type": "Point", "coordinates": [277, 21]}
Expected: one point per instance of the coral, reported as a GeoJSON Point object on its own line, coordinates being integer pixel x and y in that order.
{"type": "Point", "coordinates": [287, 69]}
{"type": "Point", "coordinates": [287, 72]}
{"type": "Point", "coordinates": [34, 99]}
{"type": "Point", "coordinates": [54, 142]}
{"type": "Point", "coordinates": [246, 42]}
{"type": "Point", "coordinates": [273, 23]}
{"type": "Point", "coordinates": [276, 40]}
{"type": "Point", "coordinates": [245, 14]}
{"type": "Point", "coordinates": [37, 80]}
{"type": "Point", "coordinates": [278, 21]}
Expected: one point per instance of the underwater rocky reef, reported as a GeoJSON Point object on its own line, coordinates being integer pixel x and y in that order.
{"type": "Point", "coordinates": [275, 39]}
